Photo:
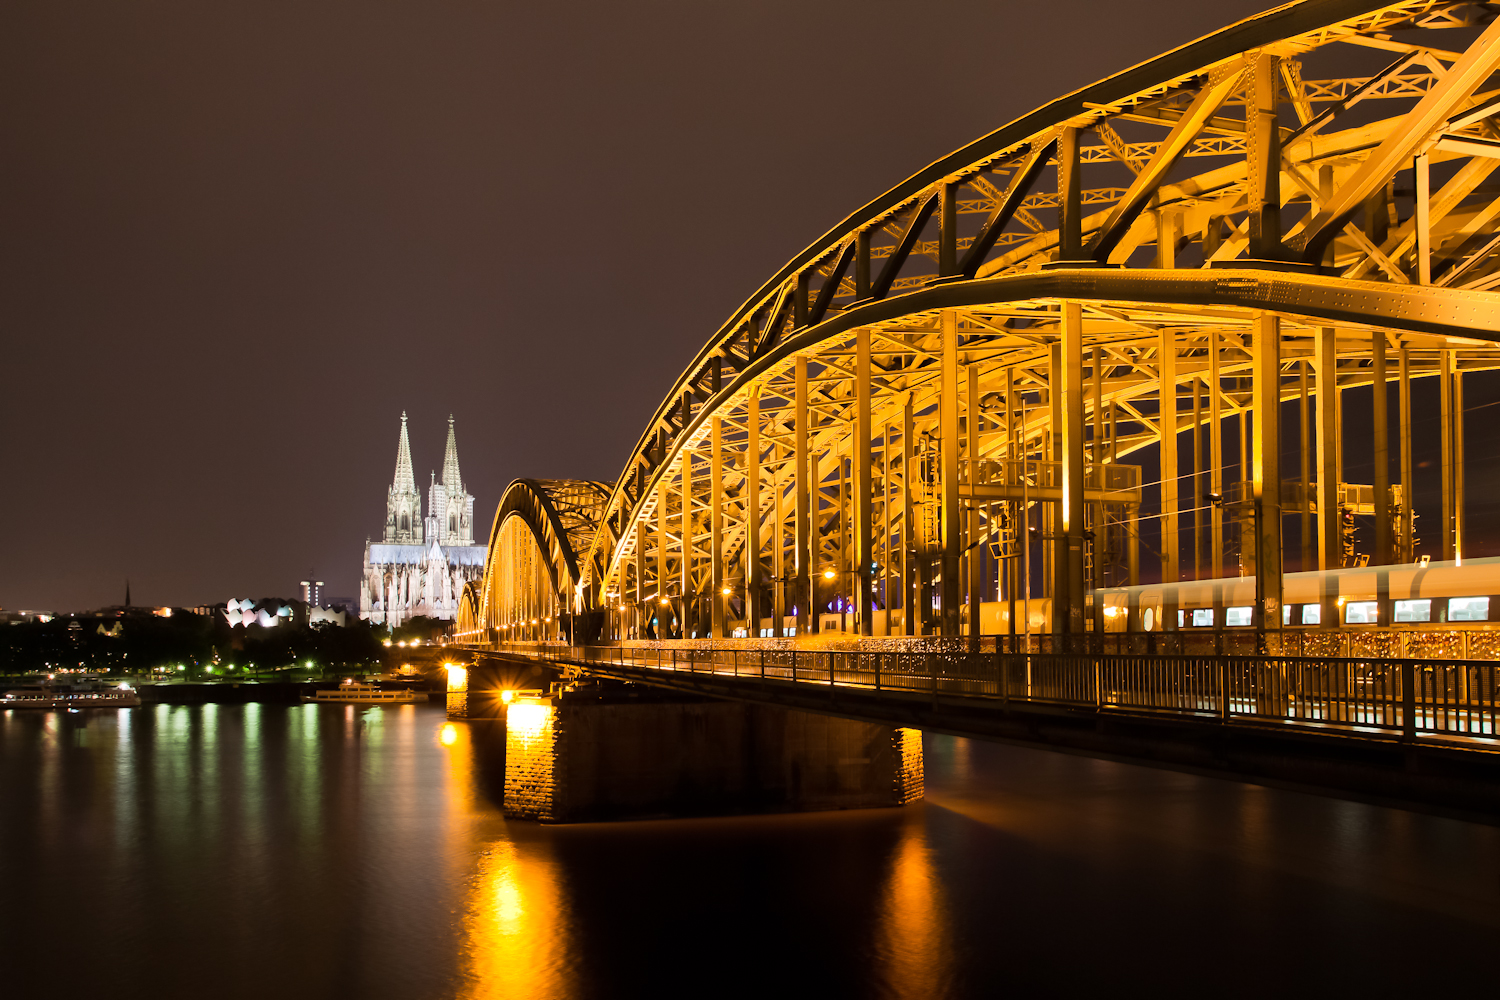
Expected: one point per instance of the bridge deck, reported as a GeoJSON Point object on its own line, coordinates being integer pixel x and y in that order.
{"type": "Point", "coordinates": [1406, 732]}
{"type": "Point", "coordinates": [1378, 698]}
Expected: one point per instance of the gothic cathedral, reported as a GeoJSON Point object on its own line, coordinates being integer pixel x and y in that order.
{"type": "Point", "coordinates": [421, 564]}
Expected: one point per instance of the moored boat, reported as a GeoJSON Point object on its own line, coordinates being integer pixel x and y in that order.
{"type": "Point", "coordinates": [72, 696]}
{"type": "Point", "coordinates": [352, 692]}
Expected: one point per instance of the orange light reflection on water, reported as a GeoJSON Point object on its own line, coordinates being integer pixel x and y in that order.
{"type": "Point", "coordinates": [916, 943]}
{"type": "Point", "coordinates": [516, 934]}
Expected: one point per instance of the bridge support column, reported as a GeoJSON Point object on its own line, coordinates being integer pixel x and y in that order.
{"type": "Point", "coordinates": [803, 529]}
{"type": "Point", "coordinates": [1171, 539]}
{"type": "Point", "coordinates": [754, 602]}
{"type": "Point", "coordinates": [687, 618]}
{"type": "Point", "coordinates": [1382, 479]}
{"type": "Point", "coordinates": [1330, 544]}
{"type": "Point", "coordinates": [1100, 544]}
{"type": "Point", "coordinates": [1069, 593]}
{"type": "Point", "coordinates": [1070, 200]}
{"type": "Point", "coordinates": [1266, 469]}
{"type": "Point", "coordinates": [974, 564]}
{"type": "Point", "coordinates": [1195, 490]}
{"type": "Point", "coordinates": [1167, 417]}
{"type": "Point", "coordinates": [662, 610]}
{"type": "Point", "coordinates": [1458, 461]}
{"type": "Point", "coordinates": [1055, 541]}
{"type": "Point", "coordinates": [864, 520]}
{"type": "Point", "coordinates": [716, 595]}
{"type": "Point", "coordinates": [642, 610]}
{"type": "Point", "coordinates": [1216, 465]}
{"type": "Point", "coordinates": [1446, 424]}
{"type": "Point", "coordinates": [1403, 424]}
{"type": "Point", "coordinates": [948, 419]}
{"type": "Point", "coordinates": [1304, 455]}
{"type": "Point", "coordinates": [911, 623]}
{"type": "Point", "coordinates": [1263, 160]}
{"type": "Point", "coordinates": [1008, 567]}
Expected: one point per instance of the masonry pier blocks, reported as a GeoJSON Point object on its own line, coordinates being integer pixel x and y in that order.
{"type": "Point", "coordinates": [578, 758]}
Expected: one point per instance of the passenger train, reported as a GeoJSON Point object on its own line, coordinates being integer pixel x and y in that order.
{"type": "Point", "coordinates": [1406, 594]}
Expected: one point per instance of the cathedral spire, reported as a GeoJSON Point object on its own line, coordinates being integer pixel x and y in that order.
{"type": "Point", "coordinates": [451, 478]}
{"type": "Point", "coordinates": [403, 505]}
{"type": "Point", "coordinates": [405, 481]}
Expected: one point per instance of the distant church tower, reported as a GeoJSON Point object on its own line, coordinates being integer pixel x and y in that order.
{"type": "Point", "coordinates": [450, 510]}
{"type": "Point", "coordinates": [403, 505]}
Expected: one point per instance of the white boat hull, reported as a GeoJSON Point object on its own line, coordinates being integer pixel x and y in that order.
{"type": "Point", "coordinates": [79, 700]}
{"type": "Point", "coordinates": [344, 696]}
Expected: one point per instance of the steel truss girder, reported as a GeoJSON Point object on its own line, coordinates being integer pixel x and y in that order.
{"type": "Point", "coordinates": [1004, 304]}
{"type": "Point", "coordinates": [1424, 317]}
{"type": "Point", "coordinates": [1156, 93]}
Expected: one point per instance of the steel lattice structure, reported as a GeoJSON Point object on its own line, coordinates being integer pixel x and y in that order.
{"type": "Point", "coordinates": [977, 386]}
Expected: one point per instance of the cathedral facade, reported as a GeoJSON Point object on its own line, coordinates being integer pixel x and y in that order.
{"type": "Point", "coordinates": [420, 565]}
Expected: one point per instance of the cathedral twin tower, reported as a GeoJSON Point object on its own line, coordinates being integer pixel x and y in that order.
{"type": "Point", "coordinates": [450, 510]}
{"type": "Point", "coordinates": [421, 564]}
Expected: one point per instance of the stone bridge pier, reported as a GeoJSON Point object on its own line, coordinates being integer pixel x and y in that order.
{"type": "Point", "coordinates": [589, 750]}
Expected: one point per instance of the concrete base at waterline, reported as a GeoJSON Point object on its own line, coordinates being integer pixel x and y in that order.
{"type": "Point", "coordinates": [571, 759]}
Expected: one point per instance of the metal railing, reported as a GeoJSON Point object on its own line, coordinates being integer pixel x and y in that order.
{"type": "Point", "coordinates": [1404, 697]}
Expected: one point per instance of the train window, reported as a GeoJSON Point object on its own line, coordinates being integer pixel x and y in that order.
{"type": "Point", "coordinates": [1361, 613]}
{"type": "Point", "coordinates": [1312, 614]}
{"type": "Point", "coordinates": [1181, 618]}
{"type": "Point", "coordinates": [1237, 616]}
{"type": "Point", "coordinates": [1286, 614]}
{"type": "Point", "coordinates": [1468, 609]}
{"type": "Point", "coordinates": [1203, 616]}
{"type": "Point", "coordinates": [1414, 611]}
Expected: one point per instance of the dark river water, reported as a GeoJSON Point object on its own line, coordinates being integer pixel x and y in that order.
{"type": "Point", "coordinates": [333, 851]}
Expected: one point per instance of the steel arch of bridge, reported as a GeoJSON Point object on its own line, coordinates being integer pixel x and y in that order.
{"type": "Point", "coordinates": [531, 573]}
{"type": "Point", "coordinates": [1297, 204]}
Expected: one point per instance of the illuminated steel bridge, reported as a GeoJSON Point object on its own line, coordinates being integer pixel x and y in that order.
{"type": "Point", "coordinates": [1079, 387]}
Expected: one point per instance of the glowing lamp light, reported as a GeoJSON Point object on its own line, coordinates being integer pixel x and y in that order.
{"type": "Point", "coordinates": [664, 602]}
{"type": "Point", "coordinates": [387, 642]}
{"type": "Point", "coordinates": [527, 718]}
{"type": "Point", "coordinates": [728, 591]}
{"type": "Point", "coordinates": [458, 677]}
{"type": "Point", "coordinates": [507, 696]}
{"type": "Point", "coordinates": [829, 574]}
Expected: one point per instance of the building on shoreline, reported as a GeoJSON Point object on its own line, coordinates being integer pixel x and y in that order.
{"type": "Point", "coordinates": [420, 565]}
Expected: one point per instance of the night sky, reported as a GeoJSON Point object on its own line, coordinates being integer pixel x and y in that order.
{"type": "Point", "coordinates": [239, 239]}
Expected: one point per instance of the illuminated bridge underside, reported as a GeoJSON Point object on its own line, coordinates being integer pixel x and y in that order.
{"type": "Point", "coordinates": [1021, 335]}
